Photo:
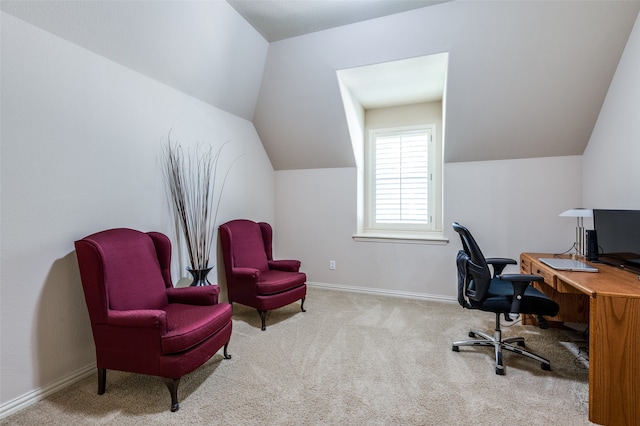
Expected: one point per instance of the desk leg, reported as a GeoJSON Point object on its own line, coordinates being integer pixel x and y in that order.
{"type": "Point", "coordinates": [614, 360]}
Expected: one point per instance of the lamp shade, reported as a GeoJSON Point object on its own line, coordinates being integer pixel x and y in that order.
{"type": "Point", "coordinates": [577, 212]}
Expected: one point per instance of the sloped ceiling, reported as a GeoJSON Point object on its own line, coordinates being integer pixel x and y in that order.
{"type": "Point", "coordinates": [202, 48]}
{"type": "Point", "coordinates": [525, 79]}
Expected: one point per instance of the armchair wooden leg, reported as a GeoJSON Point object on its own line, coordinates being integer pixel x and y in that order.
{"type": "Point", "coordinates": [263, 317]}
{"type": "Point", "coordinates": [102, 380]}
{"type": "Point", "coordinates": [172, 385]}
{"type": "Point", "coordinates": [302, 305]}
{"type": "Point", "coordinates": [226, 354]}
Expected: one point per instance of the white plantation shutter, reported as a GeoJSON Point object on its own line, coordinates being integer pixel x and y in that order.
{"type": "Point", "coordinates": [401, 178]}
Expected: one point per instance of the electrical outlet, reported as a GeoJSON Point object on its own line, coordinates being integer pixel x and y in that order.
{"type": "Point", "coordinates": [332, 264]}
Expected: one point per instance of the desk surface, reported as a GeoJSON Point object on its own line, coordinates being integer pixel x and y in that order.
{"type": "Point", "coordinates": [608, 281]}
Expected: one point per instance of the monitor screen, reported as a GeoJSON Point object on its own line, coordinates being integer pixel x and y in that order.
{"type": "Point", "coordinates": [618, 234]}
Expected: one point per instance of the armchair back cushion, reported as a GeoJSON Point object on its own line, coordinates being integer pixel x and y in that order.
{"type": "Point", "coordinates": [248, 245]}
{"type": "Point", "coordinates": [131, 271]}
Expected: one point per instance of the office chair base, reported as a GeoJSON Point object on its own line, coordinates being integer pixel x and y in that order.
{"type": "Point", "coordinates": [499, 344]}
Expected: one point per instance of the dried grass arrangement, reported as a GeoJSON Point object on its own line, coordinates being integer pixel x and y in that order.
{"type": "Point", "coordinates": [194, 190]}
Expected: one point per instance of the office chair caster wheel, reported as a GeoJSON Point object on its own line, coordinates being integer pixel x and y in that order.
{"type": "Point", "coordinates": [500, 371]}
{"type": "Point", "coordinates": [520, 343]}
{"type": "Point", "coordinates": [472, 334]}
{"type": "Point", "coordinates": [546, 367]}
{"type": "Point", "coordinates": [455, 348]}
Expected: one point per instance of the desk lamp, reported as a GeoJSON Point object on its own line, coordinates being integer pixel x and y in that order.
{"type": "Point", "coordinates": [579, 213]}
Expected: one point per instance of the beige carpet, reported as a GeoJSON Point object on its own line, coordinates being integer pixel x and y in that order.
{"type": "Point", "coordinates": [351, 359]}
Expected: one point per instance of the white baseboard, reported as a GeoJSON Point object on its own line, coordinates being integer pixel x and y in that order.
{"type": "Point", "coordinates": [39, 394]}
{"type": "Point", "coordinates": [383, 292]}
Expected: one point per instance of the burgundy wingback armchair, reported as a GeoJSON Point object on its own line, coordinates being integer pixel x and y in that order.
{"type": "Point", "coordinates": [253, 277]}
{"type": "Point", "coordinates": [140, 322]}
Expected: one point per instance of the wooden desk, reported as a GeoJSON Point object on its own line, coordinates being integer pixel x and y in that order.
{"type": "Point", "coordinates": [609, 301]}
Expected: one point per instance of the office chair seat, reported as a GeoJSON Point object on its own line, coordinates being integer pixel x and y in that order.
{"type": "Point", "coordinates": [500, 298]}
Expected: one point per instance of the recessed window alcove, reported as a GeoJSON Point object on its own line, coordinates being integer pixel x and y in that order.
{"type": "Point", "coordinates": [407, 93]}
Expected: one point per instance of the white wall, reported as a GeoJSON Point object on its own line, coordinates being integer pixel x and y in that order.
{"type": "Point", "coordinates": [81, 140]}
{"type": "Point", "coordinates": [612, 158]}
{"type": "Point", "coordinates": [510, 206]}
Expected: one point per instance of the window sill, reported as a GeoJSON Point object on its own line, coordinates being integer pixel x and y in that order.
{"type": "Point", "coordinates": [379, 237]}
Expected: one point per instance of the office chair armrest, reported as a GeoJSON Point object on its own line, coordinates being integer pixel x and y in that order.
{"type": "Point", "coordinates": [525, 278]}
{"type": "Point", "coordinates": [499, 263]}
{"type": "Point", "coordinates": [520, 283]}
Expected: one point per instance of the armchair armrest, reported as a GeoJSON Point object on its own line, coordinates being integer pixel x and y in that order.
{"type": "Point", "coordinates": [285, 265]}
{"type": "Point", "coordinates": [141, 318]}
{"type": "Point", "coordinates": [245, 272]}
{"type": "Point", "coordinates": [499, 263]}
{"type": "Point", "coordinates": [520, 283]}
{"type": "Point", "coordinates": [203, 295]}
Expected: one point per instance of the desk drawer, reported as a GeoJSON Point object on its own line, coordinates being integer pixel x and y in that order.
{"type": "Point", "coordinates": [549, 276]}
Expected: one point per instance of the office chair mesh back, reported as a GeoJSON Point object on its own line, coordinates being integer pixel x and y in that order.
{"type": "Point", "coordinates": [470, 289]}
{"type": "Point", "coordinates": [474, 283]}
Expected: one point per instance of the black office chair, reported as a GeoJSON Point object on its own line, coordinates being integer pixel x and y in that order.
{"type": "Point", "coordinates": [507, 294]}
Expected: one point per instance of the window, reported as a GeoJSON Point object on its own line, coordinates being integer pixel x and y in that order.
{"type": "Point", "coordinates": [401, 177]}
{"type": "Point", "coordinates": [401, 183]}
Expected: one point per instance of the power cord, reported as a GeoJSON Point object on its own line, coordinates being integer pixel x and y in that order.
{"type": "Point", "coordinates": [512, 322]}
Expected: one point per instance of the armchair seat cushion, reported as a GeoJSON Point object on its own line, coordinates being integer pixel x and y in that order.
{"type": "Point", "coordinates": [273, 282]}
{"type": "Point", "coordinates": [190, 325]}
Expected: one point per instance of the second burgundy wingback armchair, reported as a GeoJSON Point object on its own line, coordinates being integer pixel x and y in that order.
{"type": "Point", "coordinates": [140, 322]}
{"type": "Point", "coordinates": [253, 278]}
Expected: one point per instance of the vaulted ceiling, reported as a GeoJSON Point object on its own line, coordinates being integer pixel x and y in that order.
{"type": "Point", "coordinates": [525, 79]}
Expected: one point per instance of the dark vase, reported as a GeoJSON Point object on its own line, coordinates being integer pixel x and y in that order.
{"type": "Point", "coordinates": [199, 276]}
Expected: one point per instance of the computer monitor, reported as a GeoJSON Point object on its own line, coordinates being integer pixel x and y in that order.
{"type": "Point", "coordinates": [618, 233]}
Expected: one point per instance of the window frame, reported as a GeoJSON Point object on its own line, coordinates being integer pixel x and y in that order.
{"type": "Point", "coordinates": [430, 231]}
